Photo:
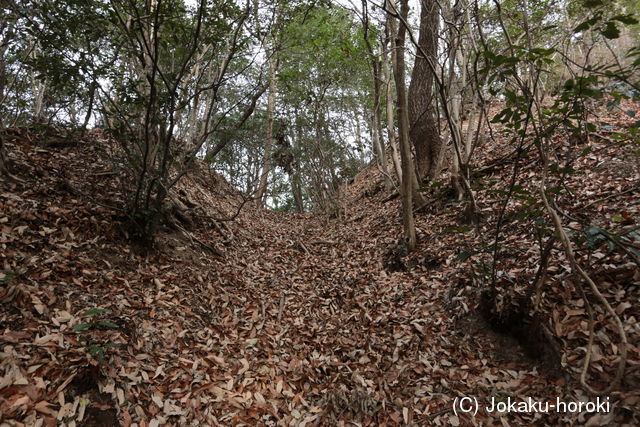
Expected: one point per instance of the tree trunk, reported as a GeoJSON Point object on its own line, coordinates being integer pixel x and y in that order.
{"type": "Point", "coordinates": [92, 97]}
{"type": "Point", "coordinates": [376, 125]}
{"type": "Point", "coordinates": [456, 82]}
{"type": "Point", "coordinates": [424, 132]}
{"type": "Point", "coordinates": [296, 190]}
{"type": "Point", "coordinates": [271, 102]}
{"type": "Point", "coordinates": [376, 139]}
{"type": "Point", "coordinates": [38, 87]}
{"type": "Point", "coordinates": [403, 120]}
{"type": "Point", "coordinates": [296, 180]}
{"type": "Point", "coordinates": [395, 155]}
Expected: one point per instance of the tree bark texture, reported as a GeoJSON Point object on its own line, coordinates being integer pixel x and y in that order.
{"type": "Point", "coordinates": [403, 120]}
{"type": "Point", "coordinates": [423, 130]}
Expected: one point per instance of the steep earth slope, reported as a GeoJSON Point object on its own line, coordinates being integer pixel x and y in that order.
{"type": "Point", "coordinates": [266, 319]}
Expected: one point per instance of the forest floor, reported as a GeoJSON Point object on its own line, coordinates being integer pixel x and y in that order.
{"type": "Point", "coordinates": [294, 319]}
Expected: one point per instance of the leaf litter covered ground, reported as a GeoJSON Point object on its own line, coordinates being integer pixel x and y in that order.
{"type": "Point", "coordinates": [296, 319]}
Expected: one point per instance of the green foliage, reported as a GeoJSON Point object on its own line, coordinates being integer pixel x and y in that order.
{"type": "Point", "coordinates": [88, 333]}
{"type": "Point", "coordinates": [514, 73]}
{"type": "Point", "coordinates": [6, 276]}
{"type": "Point", "coordinates": [145, 65]}
{"type": "Point", "coordinates": [324, 78]}
{"type": "Point", "coordinates": [464, 255]}
{"type": "Point", "coordinates": [593, 236]}
{"type": "Point", "coordinates": [544, 13]}
{"type": "Point", "coordinates": [600, 18]}
{"type": "Point", "coordinates": [323, 83]}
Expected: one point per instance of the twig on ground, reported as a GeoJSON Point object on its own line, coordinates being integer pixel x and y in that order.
{"type": "Point", "coordinates": [564, 239]}
{"type": "Point", "coordinates": [283, 302]}
{"type": "Point", "coordinates": [611, 196]}
{"type": "Point", "coordinates": [194, 239]}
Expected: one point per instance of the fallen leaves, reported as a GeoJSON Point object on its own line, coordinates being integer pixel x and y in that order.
{"type": "Point", "coordinates": [298, 324]}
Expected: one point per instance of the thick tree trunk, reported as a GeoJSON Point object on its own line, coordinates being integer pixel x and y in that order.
{"type": "Point", "coordinates": [403, 120]}
{"type": "Point", "coordinates": [424, 132]}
